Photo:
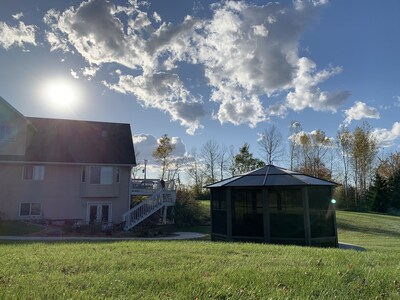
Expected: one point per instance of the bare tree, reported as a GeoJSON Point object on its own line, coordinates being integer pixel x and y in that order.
{"type": "Point", "coordinates": [210, 155]}
{"type": "Point", "coordinates": [195, 172]}
{"type": "Point", "coordinates": [138, 167]}
{"type": "Point", "coordinates": [344, 140]}
{"type": "Point", "coordinates": [231, 160]}
{"type": "Point", "coordinates": [271, 143]}
{"type": "Point", "coordinates": [223, 161]}
{"type": "Point", "coordinates": [294, 151]}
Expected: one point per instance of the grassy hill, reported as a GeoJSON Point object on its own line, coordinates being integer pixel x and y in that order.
{"type": "Point", "coordinates": [209, 270]}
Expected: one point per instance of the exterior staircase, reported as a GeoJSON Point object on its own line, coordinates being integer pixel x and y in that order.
{"type": "Point", "coordinates": [160, 199]}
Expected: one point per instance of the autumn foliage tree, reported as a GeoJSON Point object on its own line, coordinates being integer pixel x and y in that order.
{"type": "Point", "coordinates": [363, 152]}
{"type": "Point", "coordinates": [163, 153]}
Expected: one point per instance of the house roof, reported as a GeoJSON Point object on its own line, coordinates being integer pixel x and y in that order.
{"type": "Point", "coordinates": [271, 175]}
{"type": "Point", "coordinates": [11, 109]}
{"type": "Point", "coordinates": [71, 141]}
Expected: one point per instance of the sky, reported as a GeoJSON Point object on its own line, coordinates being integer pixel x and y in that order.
{"type": "Point", "coordinates": [205, 70]}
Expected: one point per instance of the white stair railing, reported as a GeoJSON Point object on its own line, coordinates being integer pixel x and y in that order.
{"type": "Point", "coordinates": [148, 207]}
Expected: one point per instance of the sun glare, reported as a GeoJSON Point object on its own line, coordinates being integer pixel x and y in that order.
{"type": "Point", "coordinates": [61, 94]}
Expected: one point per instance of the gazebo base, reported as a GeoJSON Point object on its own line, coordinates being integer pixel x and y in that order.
{"type": "Point", "coordinates": [330, 242]}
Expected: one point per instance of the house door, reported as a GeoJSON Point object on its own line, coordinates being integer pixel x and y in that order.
{"type": "Point", "coordinates": [99, 213]}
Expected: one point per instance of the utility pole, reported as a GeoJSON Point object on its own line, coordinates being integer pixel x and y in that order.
{"type": "Point", "coordinates": [145, 164]}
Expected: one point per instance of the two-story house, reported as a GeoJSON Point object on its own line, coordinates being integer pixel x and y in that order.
{"type": "Point", "coordinates": [60, 170]}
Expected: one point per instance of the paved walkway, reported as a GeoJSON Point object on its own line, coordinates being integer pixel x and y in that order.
{"type": "Point", "coordinates": [350, 247]}
{"type": "Point", "coordinates": [175, 236]}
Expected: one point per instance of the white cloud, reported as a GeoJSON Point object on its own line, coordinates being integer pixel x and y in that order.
{"type": "Point", "coordinates": [74, 74]}
{"type": "Point", "coordinates": [166, 92]}
{"type": "Point", "coordinates": [145, 144]}
{"type": "Point", "coordinates": [20, 35]}
{"type": "Point", "coordinates": [306, 93]}
{"type": "Point", "coordinates": [247, 52]}
{"type": "Point", "coordinates": [18, 16]}
{"type": "Point", "coordinates": [397, 101]}
{"type": "Point", "coordinates": [90, 71]}
{"type": "Point", "coordinates": [156, 17]}
{"type": "Point", "coordinates": [180, 147]}
{"type": "Point", "coordinates": [260, 30]}
{"type": "Point", "coordinates": [360, 111]}
{"type": "Point", "coordinates": [386, 137]}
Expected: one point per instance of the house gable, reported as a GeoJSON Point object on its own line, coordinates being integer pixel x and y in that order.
{"type": "Point", "coordinates": [14, 129]}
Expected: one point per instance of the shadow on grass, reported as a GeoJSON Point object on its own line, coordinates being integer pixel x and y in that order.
{"type": "Point", "coordinates": [370, 230]}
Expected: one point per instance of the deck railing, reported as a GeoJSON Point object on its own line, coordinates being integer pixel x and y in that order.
{"type": "Point", "coordinates": [150, 186]}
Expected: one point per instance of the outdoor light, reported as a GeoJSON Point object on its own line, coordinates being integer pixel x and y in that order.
{"type": "Point", "coordinates": [333, 201]}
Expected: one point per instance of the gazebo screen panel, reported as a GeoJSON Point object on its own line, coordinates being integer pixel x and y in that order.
{"type": "Point", "coordinates": [321, 212]}
{"type": "Point", "coordinates": [218, 210]}
{"type": "Point", "coordinates": [247, 212]}
{"type": "Point", "coordinates": [286, 213]}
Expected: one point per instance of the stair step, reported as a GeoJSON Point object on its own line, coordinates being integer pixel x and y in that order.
{"type": "Point", "coordinates": [148, 207]}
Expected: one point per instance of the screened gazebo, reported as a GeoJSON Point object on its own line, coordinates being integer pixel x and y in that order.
{"type": "Point", "coordinates": [274, 205]}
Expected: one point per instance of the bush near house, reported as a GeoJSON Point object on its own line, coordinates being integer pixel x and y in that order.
{"type": "Point", "coordinates": [188, 211]}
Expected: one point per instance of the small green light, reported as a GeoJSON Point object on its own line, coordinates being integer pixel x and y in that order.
{"type": "Point", "coordinates": [333, 201]}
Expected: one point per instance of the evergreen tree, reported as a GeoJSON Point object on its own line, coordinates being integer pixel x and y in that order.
{"type": "Point", "coordinates": [245, 162]}
{"type": "Point", "coordinates": [395, 190]}
{"type": "Point", "coordinates": [379, 194]}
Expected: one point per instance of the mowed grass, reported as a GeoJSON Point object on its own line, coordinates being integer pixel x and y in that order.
{"type": "Point", "coordinates": [18, 228]}
{"type": "Point", "coordinates": [209, 270]}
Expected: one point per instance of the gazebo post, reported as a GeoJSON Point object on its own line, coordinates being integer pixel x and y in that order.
{"type": "Point", "coordinates": [229, 213]}
{"type": "Point", "coordinates": [267, 234]}
{"type": "Point", "coordinates": [334, 219]}
{"type": "Point", "coordinates": [307, 229]}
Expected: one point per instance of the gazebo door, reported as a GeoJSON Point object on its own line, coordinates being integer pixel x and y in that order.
{"type": "Point", "coordinates": [247, 213]}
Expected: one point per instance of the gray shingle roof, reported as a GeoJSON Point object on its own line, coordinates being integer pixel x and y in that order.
{"type": "Point", "coordinates": [271, 175]}
{"type": "Point", "coordinates": [71, 141]}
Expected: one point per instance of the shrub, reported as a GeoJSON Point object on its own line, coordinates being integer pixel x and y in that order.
{"type": "Point", "coordinates": [188, 211]}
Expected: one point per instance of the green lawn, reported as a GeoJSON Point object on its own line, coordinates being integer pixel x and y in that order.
{"type": "Point", "coordinates": [18, 228]}
{"type": "Point", "coordinates": [209, 270]}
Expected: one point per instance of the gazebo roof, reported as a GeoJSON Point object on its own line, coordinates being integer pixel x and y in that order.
{"type": "Point", "coordinates": [271, 175]}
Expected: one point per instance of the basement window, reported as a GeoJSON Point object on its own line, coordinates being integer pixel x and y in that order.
{"type": "Point", "coordinates": [30, 209]}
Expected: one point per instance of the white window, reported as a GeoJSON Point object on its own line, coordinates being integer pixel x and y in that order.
{"type": "Point", "coordinates": [32, 172]}
{"type": "Point", "coordinates": [101, 175]}
{"type": "Point", "coordinates": [30, 209]}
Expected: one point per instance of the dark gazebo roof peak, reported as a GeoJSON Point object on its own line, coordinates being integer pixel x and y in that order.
{"type": "Point", "coordinates": [271, 175]}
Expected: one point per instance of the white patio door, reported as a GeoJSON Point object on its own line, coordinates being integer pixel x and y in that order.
{"type": "Point", "coordinates": [99, 213]}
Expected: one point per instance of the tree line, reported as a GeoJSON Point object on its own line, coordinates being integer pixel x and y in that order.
{"type": "Point", "coordinates": [366, 181]}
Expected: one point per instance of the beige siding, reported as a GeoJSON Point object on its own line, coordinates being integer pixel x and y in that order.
{"type": "Point", "coordinates": [59, 193]}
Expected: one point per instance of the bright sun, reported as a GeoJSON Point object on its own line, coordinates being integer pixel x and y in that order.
{"type": "Point", "coordinates": [61, 93]}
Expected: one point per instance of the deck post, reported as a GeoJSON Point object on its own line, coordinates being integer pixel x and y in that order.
{"type": "Point", "coordinates": [165, 214]}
